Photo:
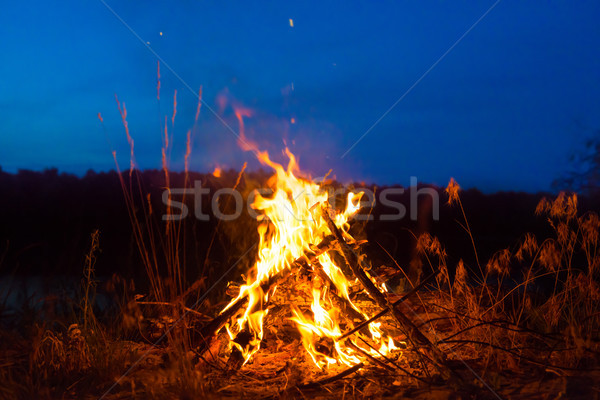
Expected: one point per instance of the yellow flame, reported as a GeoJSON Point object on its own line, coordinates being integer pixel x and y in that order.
{"type": "Point", "coordinates": [289, 224]}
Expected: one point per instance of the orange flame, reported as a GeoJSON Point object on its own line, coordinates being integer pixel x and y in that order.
{"type": "Point", "coordinates": [289, 224]}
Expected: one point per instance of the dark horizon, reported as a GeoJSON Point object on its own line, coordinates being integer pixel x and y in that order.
{"type": "Point", "coordinates": [38, 202]}
{"type": "Point", "coordinates": [265, 170]}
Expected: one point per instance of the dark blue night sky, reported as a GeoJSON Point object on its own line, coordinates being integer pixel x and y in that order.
{"type": "Point", "coordinates": [502, 111]}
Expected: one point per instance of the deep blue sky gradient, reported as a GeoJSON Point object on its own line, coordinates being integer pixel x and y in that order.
{"type": "Point", "coordinates": [503, 111]}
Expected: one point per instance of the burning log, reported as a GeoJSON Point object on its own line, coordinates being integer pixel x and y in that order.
{"type": "Point", "coordinates": [209, 330]}
{"type": "Point", "coordinates": [354, 318]}
{"type": "Point", "coordinates": [338, 301]}
{"type": "Point", "coordinates": [412, 332]}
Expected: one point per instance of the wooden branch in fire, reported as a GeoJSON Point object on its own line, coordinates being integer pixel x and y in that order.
{"type": "Point", "coordinates": [304, 262]}
{"type": "Point", "coordinates": [380, 314]}
{"type": "Point", "coordinates": [338, 301]}
{"type": "Point", "coordinates": [412, 332]}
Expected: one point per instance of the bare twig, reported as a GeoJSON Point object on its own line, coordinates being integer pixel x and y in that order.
{"type": "Point", "coordinates": [332, 379]}
{"type": "Point", "coordinates": [397, 302]}
{"type": "Point", "coordinates": [412, 332]}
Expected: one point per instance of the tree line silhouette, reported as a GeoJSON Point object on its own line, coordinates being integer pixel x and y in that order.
{"type": "Point", "coordinates": [47, 218]}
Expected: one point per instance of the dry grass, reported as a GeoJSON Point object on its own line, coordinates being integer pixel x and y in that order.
{"type": "Point", "coordinates": [533, 306]}
{"type": "Point", "coordinates": [532, 309]}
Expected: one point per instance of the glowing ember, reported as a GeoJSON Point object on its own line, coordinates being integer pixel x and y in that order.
{"type": "Point", "coordinates": [217, 172]}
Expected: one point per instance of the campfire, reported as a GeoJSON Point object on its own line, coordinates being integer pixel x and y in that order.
{"type": "Point", "coordinates": [311, 274]}
{"type": "Point", "coordinates": [298, 231]}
